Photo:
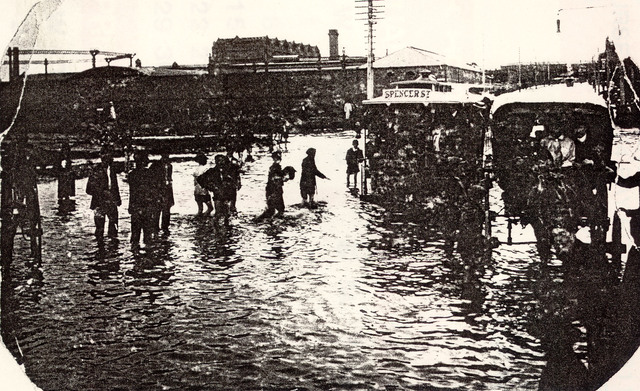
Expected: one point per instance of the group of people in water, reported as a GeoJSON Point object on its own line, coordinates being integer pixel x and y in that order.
{"type": "Point", "coordinates": [150, 196]}
{"type": "Point", "coordinates": [216, 187]}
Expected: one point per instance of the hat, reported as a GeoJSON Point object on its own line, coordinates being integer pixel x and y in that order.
{"type": "Point", "coordinates": [200, 158]}
{"type": "Point", "coordinates": [290, 172]}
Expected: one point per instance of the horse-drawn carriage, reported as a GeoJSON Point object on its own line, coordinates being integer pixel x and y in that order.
{"type": "Point", "coordinates": [424, 148]}
{"type": "Point", "coordinates": [551, 157]}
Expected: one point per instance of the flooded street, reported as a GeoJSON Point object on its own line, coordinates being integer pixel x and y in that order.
{"type": "Point", "coordinates": [346, 296]}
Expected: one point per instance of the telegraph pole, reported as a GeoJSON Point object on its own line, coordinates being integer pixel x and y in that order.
{"type": "Point", "coordinates": [370, 58]}
{"type": "Point", "coordinates": [373, 10]}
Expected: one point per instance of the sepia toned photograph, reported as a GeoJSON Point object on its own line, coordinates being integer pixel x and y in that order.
{"type": "Point", "coordinates": [320, 195]}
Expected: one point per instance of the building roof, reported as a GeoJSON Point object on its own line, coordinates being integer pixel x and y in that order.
{"type": "Point", "coordinates": [579, 93]}
{"type": "Point", "coordinates": [415, 57]}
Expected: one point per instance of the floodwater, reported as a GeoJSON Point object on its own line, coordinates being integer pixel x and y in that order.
{"type": "Point", "coordinates": [346, 296]}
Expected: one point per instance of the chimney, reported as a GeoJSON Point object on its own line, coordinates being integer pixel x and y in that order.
{"type": "Point", "coordinates": [333, 45]}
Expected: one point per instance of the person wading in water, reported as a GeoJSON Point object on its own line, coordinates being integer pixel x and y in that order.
{"type": "Point", "coordinates": [275, 181]}
{"type": "Point", "coordinates": [353, 158]}
{"type": "Point", "coordinates": [308, 178]}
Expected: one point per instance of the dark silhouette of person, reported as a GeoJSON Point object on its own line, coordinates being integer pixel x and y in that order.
{"type": "Point", "coordinates": [102, 186]}
{"type": "Point", "coordinates": [222, 181]}
{"type": "Point", "coordinates": [308, 177]}
{"type": "Point", "coordinates": [142, 200]}
{"type": "Point", "coordinates": [353, 158]}
{"type": "Point", "coordinates": [66, 179]}
{"type": "Point", "coordinates": [200, 193]}
{"type": "Point", "coordinates": [274, 192]}
{"type": "Point", "coordinates": [162, 171]}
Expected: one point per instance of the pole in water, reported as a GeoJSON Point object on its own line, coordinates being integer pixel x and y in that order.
{"type": "Point", "coordinates": [363, 175]}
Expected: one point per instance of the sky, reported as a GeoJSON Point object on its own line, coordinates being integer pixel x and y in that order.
{"type": "Point", "coordinates": [488, 32]}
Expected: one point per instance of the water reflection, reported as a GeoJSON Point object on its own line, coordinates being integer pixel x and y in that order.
{"type": "Point", "coordinates": [345, 296]}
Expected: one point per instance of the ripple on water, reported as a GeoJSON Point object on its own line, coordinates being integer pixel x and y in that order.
{"type": "Point", "coordinates": [346, 296]}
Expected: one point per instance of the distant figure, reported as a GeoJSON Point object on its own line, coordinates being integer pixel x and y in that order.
{"type": "Point", "coordinates": [163, 172]}
{"type": "Point", "coordinates": [285, 133]}
{"type": "Point", "coordinates": [437, 136]}
{"type": "Point", "coordinates": [142, 200]}
{"type": "Point", "coordinates": [102, 186]}
{"type": "Point", "coordinates": [112, 112]}
{"type": "Point", "coordinates": [66, 179]}
{"type": "Point", "coordinates": [200, 193]}
{"type": "Point", "coordinates": [308, 177]}
{"type": "Point", "coordinates": [348, 108]}
{"type": "Point", "coordinates": [353, 158]}
{"type": "Point", "coordinates": [275, 182]}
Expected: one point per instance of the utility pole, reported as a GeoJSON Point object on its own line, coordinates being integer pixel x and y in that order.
{"type": "Point", "coordinates": [373, 10]}
{"type": "Point", "coordinates": [370, 57]}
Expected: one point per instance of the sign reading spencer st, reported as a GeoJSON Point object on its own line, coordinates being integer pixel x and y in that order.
{"type": "Point", "coordinates": [399, 93]}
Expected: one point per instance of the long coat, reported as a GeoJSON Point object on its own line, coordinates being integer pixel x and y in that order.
{"type": "Point", "coordinates": [308, 174]}
{"type": "Point", "coordinates": [162, 174]}
{"type": "Point", "coordinates": [103, 196]}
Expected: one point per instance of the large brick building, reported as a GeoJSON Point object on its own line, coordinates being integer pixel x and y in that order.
{"type": "Point", "coordinates": [251, 51]}
{"type": "Point", "coordinates": [264, 54]}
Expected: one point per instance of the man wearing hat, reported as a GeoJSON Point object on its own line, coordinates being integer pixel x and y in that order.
{"type": "Point", "coordinates": [353, 158]}
{"type": "Point", "coordinates": [275, 181]}
{"type": "Point", "coordinates": [162, 172]}
{"type": "Point", "coordinates": [308, 178]}
{"type": "Point", "coordinates": [102, 186]}
{"type": "Point", "coordinates": [142, 199]}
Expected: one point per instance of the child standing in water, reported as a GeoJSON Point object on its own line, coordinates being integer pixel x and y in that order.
{"type": "Point", "coordinates": [201, 194]}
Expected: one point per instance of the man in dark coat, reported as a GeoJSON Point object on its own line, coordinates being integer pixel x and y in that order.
{"type": "Point", "coordinates": [162, 171]}
{"type": "Point", "coordinates": [308, 177]}
{"type": "Point", "coordinates": [102, 186]}
{"type": "Point", "coordinates": [275, 181]}
{"type": "Point", "coordinates": [222, 181]}
{"type": "Point", "coordinates": [142, 200]}
{"type": "Point", "coordinates": [353, 158]}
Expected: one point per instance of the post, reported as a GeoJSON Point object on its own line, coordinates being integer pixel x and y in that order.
{"type": "Point", "coordinates": [363, 175]}
{"type": "Point", "coordinates": [7, 227]}
{"type": "Point", "coordinates": [16, 62]}
{"type": "Point", "coordinates": [519, 71]}
{"type": "Point", "coordinates": [10, 54]}
{"type": "Point", "coordinates": [487, 166]}
{"type": "Point", "coordinates": [370, 17]}
{"type": "Point", "coordinates": [94, 53]}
